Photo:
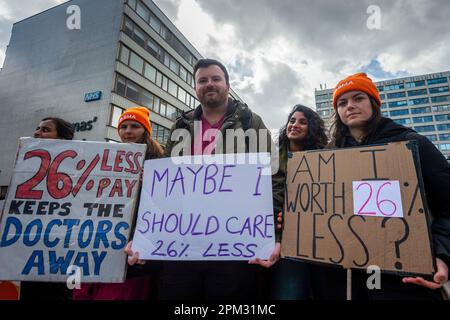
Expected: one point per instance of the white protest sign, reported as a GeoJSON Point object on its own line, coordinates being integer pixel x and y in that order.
{"type": "Point", "coordinates": [204, 210]}
{"type": "Point", "coordinates": [375, 198]}
{"type": "Point", "coordinates": [70, 203]}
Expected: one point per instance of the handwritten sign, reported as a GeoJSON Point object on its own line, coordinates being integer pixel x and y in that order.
{"type": "Point", "coordinates": [70, 203]}
{"type": "Point", "coordinates": [205, 210]}
{"type": "Point", "coordinates": [340, 208]}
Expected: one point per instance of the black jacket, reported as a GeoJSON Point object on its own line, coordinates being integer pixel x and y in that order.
{"type": "Point", "coordinates": [435, 173]}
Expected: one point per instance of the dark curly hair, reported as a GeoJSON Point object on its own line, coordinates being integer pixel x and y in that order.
{"type": "Point", "coordinates": [316, 137]}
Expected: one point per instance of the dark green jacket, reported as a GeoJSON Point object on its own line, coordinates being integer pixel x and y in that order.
{"type": "Point", "coordinates": [238, 116]}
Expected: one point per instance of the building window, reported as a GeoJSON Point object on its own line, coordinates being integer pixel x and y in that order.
{"type": "Point", "coordinates": [132, 92]}
{"type": "Point", "coordinates": [147, 99]}
{"type": "Point", "coordinates": [432, 137]}
{"type": "Point", "coordinates": [132, 4]}
{"type": "Point", "coordinates": [142, 11]}
{"type": "Point", "coordinates": [400, 112]}
{"type": "Point", "coordinates": [121, 86]}
{"type": "Point", "coordinates": [425, 128]}
{"type": "Point", "coordinates": [442, 117]}
{"type": "Point", "coordinates": [394, 87]}
{"type": "Point", "coordinates": [443, 127]}
{"type": "Point", "coordinates": [445, 136]}
{"type": "Point", "coordinates": [423, 119]}
{"type": "Point", "coordinates": [438, 89]}
{"type": "Point", "coordinates": [444, 147]}
{"type": "Point", "coordinates": [445, 107]}
{"type": "Point", "coordinates": [403, 121]}
{"type": "Point", "coordinates": [420, 110]}
{"type": "Point", "coordinates": [396, 95]}
{"type": "Point", "coordinates": [136, 62]}
{"type": "Point", "coordinates": [414, 84]}
{"type": "Point", "coordinates": [440, 99]}
{"type": "Point", "coordinates": [154, 23]}
{"type": "Point", "coordinates": [124, 54]}
{"type": "Point", "coordinates": [150, 72]}
{"type": "Point", "coordinates": [419, 92]}
{"type": "Point", "coordinates": [397, 104]}
{"type": "Point", "coordinates": [173, 88]}
{"type": "Point", "coordinates": [139, 37]}
{"type": "Point", "coordinates": [116, 112]}
{"type": "Point", "coordinates": [437, 80]}
{"type": "Point", "coordinates": [415, 102]}
{"type": "Point", "coordinates": [165, 82]}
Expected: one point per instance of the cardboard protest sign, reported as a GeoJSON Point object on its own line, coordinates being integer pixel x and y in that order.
{"type": "Point", "coordinates": [204, 210]}
{"type": "Point", "coordinates": [358, 207]}
{"type": "Point", "coordinates": [69, 209]}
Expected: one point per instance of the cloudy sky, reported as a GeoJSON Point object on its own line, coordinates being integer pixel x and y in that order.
{"type": "Point", "coordinates": [278, 52]}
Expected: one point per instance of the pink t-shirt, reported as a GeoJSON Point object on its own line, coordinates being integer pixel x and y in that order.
{"type": "Point", "coordinates": [204, 142]}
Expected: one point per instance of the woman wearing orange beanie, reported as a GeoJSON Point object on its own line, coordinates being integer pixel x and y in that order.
{"type": "Point", "coordinates": [133, 127]}
{"type": "Point", "coordinates": [357, 121]}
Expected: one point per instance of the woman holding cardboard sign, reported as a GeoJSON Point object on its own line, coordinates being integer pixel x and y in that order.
{"type": "Point", "coordinates": [134, 127]}
{"type": "Point", "coordinates": [358, 122]}
{"type": "Point", "coordinates": [304, 130]}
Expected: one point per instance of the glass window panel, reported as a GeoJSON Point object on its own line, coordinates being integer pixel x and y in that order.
{"type": "Point", "coordinates": [142, 11]}
{"type": "Point", "coordinates": [150, 72]}
{"type": "Point", "coordinates": [173, 88]}
{"type": "Point", "coordinates": [115, 115]}
{"type": "Point", "coordinates": [132, 4]}
{"type": "Point", "coordinates": [183, 73]}
{"type": "Point", "coordinates": [156, 104]}
{"type": "Point", "coordinates": [163, 108]}
{"type": "Point", "coordinates": [181, 94]}
{"type": "Point", "coordinates": [139, 37]}
{"type": "Point", "coordinates": [174, 66]}
{"type": "Point", "coordinates": [136, 62]}
{"type": "Point", "coordinates": [128, 27]}
{"type": "Point", "coordinates": [171, 112]}
{"type": "Point", "coordinates": [164, 83]}
{"type": "Point", "coordinates": [147, 99]}
{"type": "Point", "coordinates": [154, 23]}
{"type": "Point", "coordinates": [120, 87]}
{"type": "Point", "coordinates": [159, 77]}
{"type": "Point", "coordinates": [124, 54]}
{"type": "Point", "coordinates": [132, 92]}
{"type": "Point", "coordinates": [166, 60]}
{"type": "Point", "coordinates": [437, 80]}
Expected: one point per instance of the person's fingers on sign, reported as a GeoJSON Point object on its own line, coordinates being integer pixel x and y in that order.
{"type": "Point", "coordinates": [439, 278]}
{"type": "Point", "coordinates": [133, 257]}
{"type": "Point", "coordinates": [274, 257]}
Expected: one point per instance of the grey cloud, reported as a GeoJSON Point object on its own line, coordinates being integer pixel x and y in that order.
{"type": "Point", "coordinates": [169, 7]}
{"type": "Point", "coordinates": [278, 93]}
{"type": "Point", "coordinates": [332, 30]}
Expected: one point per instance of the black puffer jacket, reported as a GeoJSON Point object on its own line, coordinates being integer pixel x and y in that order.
{"type": "Point", "coordinates": [435, 173]}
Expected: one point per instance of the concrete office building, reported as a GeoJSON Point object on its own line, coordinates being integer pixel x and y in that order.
{"type": "Point", "coordinates": [420, 102]}
{"type": "Point", "coordinates": [126, 53]}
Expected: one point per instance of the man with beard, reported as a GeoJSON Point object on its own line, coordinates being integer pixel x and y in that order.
{"type": "Point", "coordinates": [202, 126]}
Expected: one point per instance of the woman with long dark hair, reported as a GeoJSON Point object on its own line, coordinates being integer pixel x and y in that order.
{"type": "Point", "coordinates": [304, 130]}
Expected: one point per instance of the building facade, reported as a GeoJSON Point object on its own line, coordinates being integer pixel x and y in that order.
{"type": "Point", "coordinates": [420, 102]}
{"type": "Point", "coordinates": [126, 53]}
